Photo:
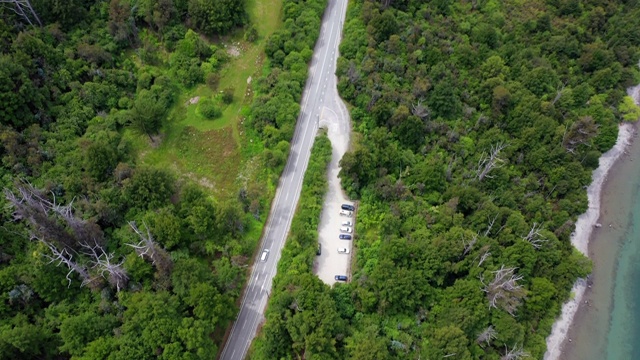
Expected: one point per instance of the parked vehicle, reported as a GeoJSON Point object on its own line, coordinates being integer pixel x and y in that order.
{"type": "Point", "coordinates": [345, 213]}
{"type": "Point", "coordinates": [343, 250]}
{"type": "Point", "coordinates": [348, 207]}
{"type": "Point", "coordinates": [347, 223]}
{"type": "Point", "coordinates": [319, 250]}
{"type": "Point", "coordinates": [265, 255]}
{"type": "Point", "coordinates": [345, 237]}
{"type": "Point", "coordinates": [346, 229]}
{"type": "Point", "coordinates": [341, 277]}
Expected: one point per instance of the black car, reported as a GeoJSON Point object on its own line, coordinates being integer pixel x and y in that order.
{"type": "Point", "coordinates": [345, 237]}
{"type": "Point", "coordinates": [319, 250]}
{"type": "Point", "coordinates": [341, 277]}
{"type": "Point", "coordinates": [348, 207]}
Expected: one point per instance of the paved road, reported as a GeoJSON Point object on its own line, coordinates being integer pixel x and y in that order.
{"type": "Point", "coordinates": [321, 79]}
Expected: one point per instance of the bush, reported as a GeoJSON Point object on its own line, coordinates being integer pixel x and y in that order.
{"type": "Point", "coordinates": [208, 109]}
{"type": "Point", "coordinates": [227, 95]}
{"type": "Point", "coordinates": [251, 34]}
{"type": "Point", "coordinates": [212, 80]}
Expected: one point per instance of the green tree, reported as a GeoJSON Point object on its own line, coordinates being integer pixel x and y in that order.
{"type": "Point", "coordinates": [216, 16]}
{"type": "Point", "coordinates": [629, 110]}
{"type": "Point", "coordinates": [147, 113]}
{"type": "Point", "coordinates": [149, 188]}
{"type": "Point", "coordinates": [77, 331]}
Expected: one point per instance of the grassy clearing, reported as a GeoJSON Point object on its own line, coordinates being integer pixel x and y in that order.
{"type": "Point", "coordinates": [215, 152]}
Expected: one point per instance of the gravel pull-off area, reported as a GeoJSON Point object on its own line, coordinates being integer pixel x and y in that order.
{"type": "Point", "coordinates": [331, 263]}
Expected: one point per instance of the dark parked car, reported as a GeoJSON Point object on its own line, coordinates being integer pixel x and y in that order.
{"type": "Point", "coordinates": [348, 207]}
{"type": "Point", "coordinates": [345, 237]}
{"type": "Point", "coordinates": [341, 277]}
{"type": "Point", "coordinates": [319, 250]}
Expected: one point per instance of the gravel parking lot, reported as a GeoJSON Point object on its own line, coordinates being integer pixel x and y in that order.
{"type": "Point", "coordinates": [331, 263]}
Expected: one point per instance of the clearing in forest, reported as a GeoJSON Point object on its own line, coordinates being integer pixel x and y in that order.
{"type": "Point", "coordinates": [213, 152]}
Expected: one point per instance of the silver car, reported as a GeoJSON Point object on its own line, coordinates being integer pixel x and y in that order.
{"type": "Point", "coordinates": [346, 229]}
{"type": "Point", "coordinates": [343, 250]}
{"type": "Point", "coordinates": [345, 213]}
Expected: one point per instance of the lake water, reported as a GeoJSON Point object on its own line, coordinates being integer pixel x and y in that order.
{"type": "Point", "coordinates": [607, 325]}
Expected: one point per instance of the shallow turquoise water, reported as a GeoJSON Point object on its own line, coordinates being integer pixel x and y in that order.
{"type": "Point", "coordinates": [607, 326]}
{"type": "Point", "coordinates": [623, 338]}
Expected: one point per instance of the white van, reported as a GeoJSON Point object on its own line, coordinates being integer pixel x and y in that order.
{"type": "Point", "coordinates": [345, 229]}
{"type": "Point", "coordinates": [265, 254]}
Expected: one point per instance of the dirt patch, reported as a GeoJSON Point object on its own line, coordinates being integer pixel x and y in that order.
{"type": "Point", "coordinates": [233, 50]}
{"type": "Point", "coordinates": [156, 140]}
{"type": "Point", "coordinates": [193, 100]}
{"type": "Point", "coordinates": [249, 80]}
{"type": "Point", "coordinates": [202, 181]}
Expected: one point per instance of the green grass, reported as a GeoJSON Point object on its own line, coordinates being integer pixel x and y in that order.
{"type": "Point", "coordinates": [215, 152]}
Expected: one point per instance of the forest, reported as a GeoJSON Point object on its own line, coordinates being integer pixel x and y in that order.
{"type": "Point", "coordinates": [103, 254]}
{"type": "Point", "coordinates": [477, 125]}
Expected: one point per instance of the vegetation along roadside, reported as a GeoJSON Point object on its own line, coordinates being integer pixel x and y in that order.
{"type": "Point", "coordinates": [129, 217]}
{"type": "Point", "coordinates": [477, 127]}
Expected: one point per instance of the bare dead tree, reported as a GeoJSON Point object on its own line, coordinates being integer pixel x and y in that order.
{"type": "Point", "coordinates": [503, 291]}
{"type": "Point", "coordinates": [516, 353]}
{"type": "Point", "coordinates": [28, 205]}
{"type": "Point", "coordinates": [468, 246]}
{"type": "Point", "coordinates": [149, 248]}
{"type": "Point", "coordinates": [534, 237]}
{"type": "Point", "coordinates": [484, 257]}
{"type": "Point", "coordinates": [490, 226]}
{"type": "Point", "coordinates": [490, 161]}
{"type": "Point", "coordinates": [48, 216]}
{"type": "Point", "coordinates": [558, 93]}
{"type": "Point", "coordinates": [420, 110]}
{"type": "Point", "coordinates": [101, 261]}
{"type": "Point", "coordinates": [449, 172]}
{"type": "Point", "coordinates": [580, 133]}
{"type": "Point", "coordinates": [24, 9]}
{"type": "Point", "coordinates": [487, 335]}
{"type": "Point", "coordinates": [65, 257]}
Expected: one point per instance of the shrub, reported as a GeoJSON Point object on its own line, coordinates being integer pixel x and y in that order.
{"type": "Point", "coordinates": [208, 109]}
{"type": "Point", "coordinates": [251, 34]}
{"type": "Point", "coordinates": [212, 80]}
{"type": "Point", "coordinates": [227, 95]}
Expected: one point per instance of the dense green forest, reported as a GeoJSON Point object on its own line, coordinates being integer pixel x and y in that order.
{"type": "Point", "coordinates": [477, 125]}
{"type": "Point", "coordinates": [103, 256]}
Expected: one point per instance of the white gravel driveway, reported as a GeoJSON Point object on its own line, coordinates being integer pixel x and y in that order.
{"type": "Point", "coordinates": [331, 263]}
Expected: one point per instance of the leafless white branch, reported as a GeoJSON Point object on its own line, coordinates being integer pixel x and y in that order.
{"type": "Point", "coordinates": [487, 335]}
{"type": "Point", "coordinates": [24, 9]}
{"type": "Point", "coordinates": [484, 257]}
{"type": "Point", "coordinates": [516, 353]}
{"type": "Point", "coordinates": [490, 161]}
{"type": "Point", "coordinates": [503, 291]}
{"type": "Point", "coordinates": [147, 246]}
{"type": "Point", "coordinates": [468, 246]}
{"type": "Point", "coordinates": [490, 226]}
{"type": "Point", "coordinates": [65, 257]}
{"type": "Point", "coordinates": [420, 110]}
{"type": "Point", "coordinates": [117, 276]}
{"type": "Point", "coordinates": [534, 237]}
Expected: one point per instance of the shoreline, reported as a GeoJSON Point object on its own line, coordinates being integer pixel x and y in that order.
{"type": "Point", "coordinates": [584, 231]}
{"type": "Point", "coordinates": [581, 237]}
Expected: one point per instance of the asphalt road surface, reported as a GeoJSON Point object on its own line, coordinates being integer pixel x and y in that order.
{"type": "Point", "coordinates": [320, 89]}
